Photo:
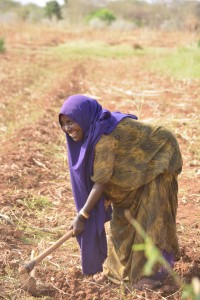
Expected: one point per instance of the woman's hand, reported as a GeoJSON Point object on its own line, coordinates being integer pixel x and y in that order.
{"type": "Point", "coordinates": [107, 203]}
{"type": "Point", "coordinates": [78, 226]}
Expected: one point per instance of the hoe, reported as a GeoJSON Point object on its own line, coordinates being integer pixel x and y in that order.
{"type": "Point", "coordinates": [26, 272]}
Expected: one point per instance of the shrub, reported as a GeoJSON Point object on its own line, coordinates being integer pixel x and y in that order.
{"type": "Point", "coordinates": [2, 45]}
{"type": "Point", "coordinates": [103, 14]}
{"type": "Point", "coordinates": [52, 9]}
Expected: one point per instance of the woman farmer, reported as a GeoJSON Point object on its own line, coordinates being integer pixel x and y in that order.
{"type": "Point", "coordinates": [114, 158]}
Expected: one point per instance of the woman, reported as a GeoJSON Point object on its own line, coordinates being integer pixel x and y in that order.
{"type": "Point", "coordinates": [113, 158]}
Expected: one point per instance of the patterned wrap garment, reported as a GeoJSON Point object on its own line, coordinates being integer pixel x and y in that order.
{"type": "Point", "coordinates": [139, 164]}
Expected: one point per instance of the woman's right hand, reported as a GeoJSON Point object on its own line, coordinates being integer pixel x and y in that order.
{"type": "Point", "coordinates": [78, 226]}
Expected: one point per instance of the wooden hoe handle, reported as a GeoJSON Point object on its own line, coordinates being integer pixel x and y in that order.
{"type": "Point", "coordinates": [54, 246]}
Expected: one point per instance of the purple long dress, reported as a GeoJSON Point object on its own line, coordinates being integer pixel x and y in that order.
{"type": "Point", "coordinates": [95, 122]}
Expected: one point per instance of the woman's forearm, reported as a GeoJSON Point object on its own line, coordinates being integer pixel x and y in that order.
{"type": "Point", "coordinates": [94, 196]}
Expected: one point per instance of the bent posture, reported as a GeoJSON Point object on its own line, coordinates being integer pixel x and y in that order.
{"type": "Point", "coordinates": [114, 158]}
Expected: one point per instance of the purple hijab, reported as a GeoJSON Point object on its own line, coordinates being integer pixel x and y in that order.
{"type": "Point", "coordinates": [95, 122]}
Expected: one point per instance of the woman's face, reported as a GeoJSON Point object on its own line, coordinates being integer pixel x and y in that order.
{"type": "Point", "coordinates": [72, 128]}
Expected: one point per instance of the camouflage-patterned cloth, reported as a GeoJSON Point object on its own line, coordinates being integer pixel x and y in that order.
{"type": "Point", "coordinates": [139, 164]}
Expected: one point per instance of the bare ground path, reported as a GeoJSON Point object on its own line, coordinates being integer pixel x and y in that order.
{"type": "Point", "coordinates": [35, 188]}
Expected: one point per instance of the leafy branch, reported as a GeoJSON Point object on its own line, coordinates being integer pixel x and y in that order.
{"type": "Point", "coordinates": [154, 256]}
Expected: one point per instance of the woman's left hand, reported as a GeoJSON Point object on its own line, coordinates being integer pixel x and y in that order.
{"type": "Point", "coordinates": [107, 203]}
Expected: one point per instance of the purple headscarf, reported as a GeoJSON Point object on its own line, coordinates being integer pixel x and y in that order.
{"type": "Point", "coordinates": [95, 122]}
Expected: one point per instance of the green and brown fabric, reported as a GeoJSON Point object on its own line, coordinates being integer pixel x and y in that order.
{"type": "Point", "coordinates": [139, 163]}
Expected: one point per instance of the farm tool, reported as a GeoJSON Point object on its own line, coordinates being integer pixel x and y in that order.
{"type": "Point", "coordinates": [26, 271]}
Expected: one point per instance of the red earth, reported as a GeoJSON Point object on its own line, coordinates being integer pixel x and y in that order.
{"type": "Point", "coordinates": [36, 203]}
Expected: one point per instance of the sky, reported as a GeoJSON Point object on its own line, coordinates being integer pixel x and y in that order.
{"type": "Point", "coordinates": [38, 2]}
{"type": "Point", "coordinates": [43, 2]}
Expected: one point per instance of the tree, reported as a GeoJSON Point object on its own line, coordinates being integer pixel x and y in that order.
{"type": "Point", "coordinates": [52, 8]}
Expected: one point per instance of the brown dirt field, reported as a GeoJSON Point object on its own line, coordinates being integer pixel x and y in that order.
{"type": "Point", "coordinates": [35, 191]}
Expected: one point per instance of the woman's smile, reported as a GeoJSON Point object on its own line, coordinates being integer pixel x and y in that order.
{"type": "Point", "coordinates": [74, 135]}
{"type": "Point", "coordinates": [72, 128]}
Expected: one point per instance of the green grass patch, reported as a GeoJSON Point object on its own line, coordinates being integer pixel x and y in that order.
{"type": "Point", "coordinates": [95, 49]}
{"type": "Point", "coordinates": [37, 203]}
{"type": "Point", "coordinates": [34, 234]}
{"type": "Point", "coordinates": [179, 63]}
{"type": "Point", "coordinates": [28, 241]}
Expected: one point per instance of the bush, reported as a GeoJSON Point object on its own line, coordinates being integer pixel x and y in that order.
{"type": "Point", "coordinates": [104, 15]}
{"type": "Point", "coordinates": [2, 45]}
{"type": "Point", "coordinates": [52, 9]}
{"type": "Point", "coordinates": [198, 44]}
